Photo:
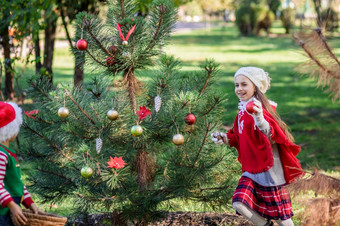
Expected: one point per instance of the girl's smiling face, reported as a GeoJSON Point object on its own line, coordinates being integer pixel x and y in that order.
{"type": "Point", "coordinates": [244, 88]}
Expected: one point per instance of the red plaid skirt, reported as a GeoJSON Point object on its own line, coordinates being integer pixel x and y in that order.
{"type": "Point", "coordinates": [270, 202]}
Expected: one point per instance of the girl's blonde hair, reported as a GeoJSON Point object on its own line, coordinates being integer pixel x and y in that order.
{"type": "Point", "coordinates": [266, 105]}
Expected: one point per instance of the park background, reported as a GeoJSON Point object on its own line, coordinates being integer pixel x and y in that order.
{"type": "Point", "coordinates": [201, 33]}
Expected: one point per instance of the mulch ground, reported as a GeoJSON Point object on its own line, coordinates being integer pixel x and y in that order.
{"type": "Point", "coordinates": [175, 218]}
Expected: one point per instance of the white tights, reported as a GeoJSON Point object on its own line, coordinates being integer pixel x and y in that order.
{"type": "Point", "coordinates": [254, 217]}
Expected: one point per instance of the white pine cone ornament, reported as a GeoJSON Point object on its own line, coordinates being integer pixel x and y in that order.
{"type": "Point", "coordinates": [99, 145]}
{"type": "Point", "coordinates": [158, 103]}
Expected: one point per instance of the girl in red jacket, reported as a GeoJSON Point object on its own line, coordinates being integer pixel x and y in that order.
{"type": "Point", "coordinates": [265, 150]}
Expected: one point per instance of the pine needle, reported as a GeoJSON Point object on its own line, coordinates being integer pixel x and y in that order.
{"type": "Point", "coordinates": [323, 65]}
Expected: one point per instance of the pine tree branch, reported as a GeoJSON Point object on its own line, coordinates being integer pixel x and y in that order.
{"type": "Point", "coordinates": [217, 99]}
{"type": "Point", "coordinates": [41, 91]}
{"type": "Point", "coordinates": [162, 10]}
{"type": "Point", "coordinates": [88, 52]}
{"type": "Point", "coordinates": [210, 71]}
{"type": "Point", "coordinates": [122, 8]}
{"type": "Point", "coordinates": [96, 199]}
{"type": "Point", "coordinates": [99, 43]}
{"type": "Point", "coordinates": [202, 145]}
{"type": "Point", "coordinates": [88, 155]}
{"type": "Point", "coordinates": [53, 145]}
{"type": "Point", "coordinates": [79, 107]}
{"type": "Point", "coordinates": [56, 174]}
{"type": "Point", "coordinates": [215, 188]}
{"type": "Point", "coordinates": [214, 164]}
{"type": "Point", "coordinates": [302, 44]}
{"type": "Point", "coordinates": [322, 37]}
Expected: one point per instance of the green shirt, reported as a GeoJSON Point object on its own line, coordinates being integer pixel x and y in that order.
{"type": "Point", "coordinates": [12, 181]}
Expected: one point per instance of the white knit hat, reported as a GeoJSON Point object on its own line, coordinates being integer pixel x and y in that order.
{"type": "Point", "coordinates": [257, 75]}
{"type": "Point", "coordinates": [10, 120]}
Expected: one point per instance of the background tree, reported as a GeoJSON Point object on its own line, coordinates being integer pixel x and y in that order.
{"type": "Point", "coordinates": [287, 18]}
{"type": "Point", "coordinates": [274, 5]}
{"type": "Point", "coordinates": [19, 19]}
{"type": "Point", "coordinates": [253, 16]}
{"type": "Point", "coordinates": [326, 15]}
{"type": "Point", "coordinates": [133, 161]}
{"type": "Point", "coordinates": [5, 42]}
{"type": "Point", "coordinates": [68, 11]}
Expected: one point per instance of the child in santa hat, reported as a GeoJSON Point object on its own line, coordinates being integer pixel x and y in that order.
{"type": "Point", "coordinates": [12, 190]}
{"type": "Point", "coordinates": [265, 150]}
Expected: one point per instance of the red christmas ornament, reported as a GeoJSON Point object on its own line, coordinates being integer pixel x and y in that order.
{"type": "Point", "coordinates": [31, 114]}
{"type": "Point", "coordinates": [143, 112]}
{"type": "Point", "coordinates": [250, 107]}
{"type": "Point", "coordinates": [190, 119]}
{"type": "Point", "coordinates": [82, 44]}
{"type": "Point", "coordinates": [116, 163]}
{"type": "Point", "coordinates": [110, 61]}
{"type": "Point", "coordinates": [113, 49]}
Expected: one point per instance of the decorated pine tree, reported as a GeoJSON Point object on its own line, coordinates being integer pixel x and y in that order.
{"type": "Point", "coordinates": [125, 146]}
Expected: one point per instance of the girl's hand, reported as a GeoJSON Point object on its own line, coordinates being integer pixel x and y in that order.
{"type": "Point", "coordinates": [219, 138]}
{"type": "Point", "coordinates": [260, 122]}
{"type": "Point", "coordinates": [18, 217]}
{"type": "Point", "coordinates": [258, 108]}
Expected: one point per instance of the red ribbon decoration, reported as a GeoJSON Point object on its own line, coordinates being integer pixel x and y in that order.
{"type": "Point", "coordinates": [128, 34]}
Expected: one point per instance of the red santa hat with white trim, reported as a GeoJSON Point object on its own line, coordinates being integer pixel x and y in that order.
{"type": "Point", "coordinates": [10, 120]}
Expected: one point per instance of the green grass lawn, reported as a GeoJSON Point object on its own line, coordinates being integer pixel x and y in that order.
{"type": "Point", "coordinates": [309, 111]}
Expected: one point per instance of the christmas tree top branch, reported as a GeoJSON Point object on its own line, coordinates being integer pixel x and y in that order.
{"type": "Point", "coordinates": [162, 11]}
{"type": "Point", "coordinates": [122, 7]}
{"type": "Point", "coordinates": [210, 67]}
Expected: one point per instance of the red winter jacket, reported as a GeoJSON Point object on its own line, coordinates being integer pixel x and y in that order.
{"type": "Point", "coordinates": [254, 147]}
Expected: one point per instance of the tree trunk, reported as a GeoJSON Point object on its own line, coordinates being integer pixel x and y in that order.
{"type": "Point", "coordinates": [37, 54]}
{"type": "Point", "coordinates": [133, 85]}
{"type": "Point", "coordinates": [317, 6]}
{"type": "Point", "coordinates": [50, 32]}
{"type": "Point", "coordinates": [2, 96]}
{"type": "Point", "coordinates": [9, 84]}
{"type": "Point", "coordinates": [78, 76]}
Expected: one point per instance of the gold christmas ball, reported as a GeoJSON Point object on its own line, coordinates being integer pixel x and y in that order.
{"type": "Point", "coordinates": [178, 139]}
{"type": "Point", "coordinates": [125, 43]}
{"type": "Point", "coordinates": [112, 114]}
{"type": "Point", "coordinates": [63, 112]}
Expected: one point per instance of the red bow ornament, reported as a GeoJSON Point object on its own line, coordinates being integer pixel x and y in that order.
{"type": "Point", "coordinates": [125, 39]}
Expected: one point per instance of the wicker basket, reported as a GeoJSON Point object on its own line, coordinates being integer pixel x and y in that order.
{"type": "Point", "coordinates": [45, 219]}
